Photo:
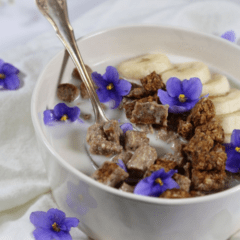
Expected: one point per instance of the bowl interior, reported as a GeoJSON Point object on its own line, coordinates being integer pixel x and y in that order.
{"type": "Point", "coordinates": [110, 47]}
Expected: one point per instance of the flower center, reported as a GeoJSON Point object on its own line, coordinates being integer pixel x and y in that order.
{"type": "Point", "coordinates": [2, 76]}
{"type": "Point", "coordinates": [110, 86]}
{"type": "Point", "coordinates": [159, 181]}
{"type": "Point", "coordinates": [182, 98]}
{"type": "Point", "coordinates": [237, 149]}
{"type": "Point", "coordinates": [56, 228]}
{"type": "Point", "coordinates": [64, 117]}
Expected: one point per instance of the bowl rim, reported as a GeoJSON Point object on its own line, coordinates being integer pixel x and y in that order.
{"type": "Point", "coordinates": [88, 179]}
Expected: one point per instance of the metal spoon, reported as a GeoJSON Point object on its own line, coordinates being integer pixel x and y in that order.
{"type": "Point", "coordinates": [56, 13]}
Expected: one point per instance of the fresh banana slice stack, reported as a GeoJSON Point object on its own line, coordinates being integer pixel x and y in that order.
{"type": "Point", "coordinates": [188, 70]}
{"type": "Point", "coordinates": [218, 85]}
{"type": "Point", "coordinates": [137, 68]}
{"type": "Point", "coordinates": [226, 100]}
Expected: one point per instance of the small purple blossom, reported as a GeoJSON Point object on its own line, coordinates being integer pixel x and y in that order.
{"type": "Point", "coordinates": [121, 164]}
{"type": "Point", "coordinates": [157, 183]}
{"type": "Point", "coordinates": [52, 224]}
{"type": "Point", "coordinates": [126, 127]}
{"type": "Point", "coordinates": [181, 96]}
{"type": "Point", "coordinates": [229, 35]}
{"type": "Point", "coordinates": [110, 87]}
{"type": "Point", "coordinates": [233, 152]}
{"type": "Point", "coordinates": [61, 112]}
{"type": "Point", "coordinates": [9, 76]}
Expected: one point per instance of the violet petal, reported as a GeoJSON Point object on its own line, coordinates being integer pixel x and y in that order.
{"type": "Point", "coordinates": [166, 99]}
{"type": "Point", "coordinates": [59, 110]}
{"type": "Point", "coordinates": [126, 127]}
{"type": "Point", "coordinates": [177, 109]}
{"type": "Point", "coordinates": [192, 88]}
{"type": "Point", "coordinates": [98, 79]}
{"type": "Point", "coordinates": [55, 215]}
{"type": "Point", "coordinates": [229, 35]}
{"type": "Point", "coordinates": [121, 164]}
{"type": "Point", "coordinates": [42, 234]}
{"type": "Point", "coordinates": [235, 138]}
{"type": "Point", "coordinates": [103, 95]}
{"type": "Point", "coordinates": [123, 87]}
{"type": "Point", "coordinates": [174, 87]}
{"type": "Point", "coordinates": [11, 82]}
{"type": "Point", "coordinates": [70, 222]}
{"type": "Point", "coordinates": [116, 99]}
{"type": "Point", "coordinates": [233, 161]}
{"type": "Point", "coordinates": [40, 219]}
{"type": "Point", "coordinates": [9, 69]}
{"type": "Point", "coordinates": [73, 113]}
{"type": "Point", "coordinates": [1, 64]}
{"type": "Point", "coordinates": [111, 74]}
{"type": "Point", "coordinates": [48, 117]}
{"type": "Point", "coordinates": [62, 235]}
{"type": "Point", "coordinates": [143, 188]}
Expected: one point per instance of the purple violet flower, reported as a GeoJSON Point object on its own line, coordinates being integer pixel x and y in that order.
{"type": "Point", "coordinates": [126, 127]}
{"type": "Point", "coordinates": [8, 76]}
{"type": "Point", "coordinates": [157, 183]}
{"type": "Point", "coordinates": [229, 35]}
{"type": "Point", "coordinates": [110, 87]}
{"type": "Point", "coordinates": [52, 224]}
{"type": "Point", "coordinates": [181, 96]}
{"type": "Point", "coordinates": [233, 152]}
{"type": "Point", "coordinates": [121, 164]}
{"type": "Point", "coordinates": [61, 112]}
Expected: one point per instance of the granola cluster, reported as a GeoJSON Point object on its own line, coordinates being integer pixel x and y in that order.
{"type": "Point", "coordinates": [196, 139]}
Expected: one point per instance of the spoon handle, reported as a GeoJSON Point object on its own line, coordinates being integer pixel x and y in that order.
{"type": "Point", "coordinates": [56, 13]}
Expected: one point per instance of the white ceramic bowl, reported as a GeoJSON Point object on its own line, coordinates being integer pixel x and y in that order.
{"type": "Point", "coordinates": [106, 213]}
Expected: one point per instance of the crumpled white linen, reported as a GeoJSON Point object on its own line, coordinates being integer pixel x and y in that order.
{"type": "Point", "coordinates": [24, 187]}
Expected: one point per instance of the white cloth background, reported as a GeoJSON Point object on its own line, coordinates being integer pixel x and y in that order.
{"type": "Point", "coordinates": [28, 41]}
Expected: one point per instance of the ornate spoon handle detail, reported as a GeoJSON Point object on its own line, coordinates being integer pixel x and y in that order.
{"type": "Point", "coordinates": [56, 13]}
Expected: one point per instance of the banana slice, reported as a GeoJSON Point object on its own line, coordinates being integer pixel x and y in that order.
{"type": "Point", "coordinates": [140, 67]}
{"type": "Point", "coordinates": [228, 103]}
{"type": "Point", "coordinates": [230, 121]}
{"type": "Point", "coordinates": [188, 70]}
{"type": "Point", "coordinates": [218, 85]}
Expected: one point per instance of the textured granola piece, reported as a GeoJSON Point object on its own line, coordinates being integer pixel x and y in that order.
{"type": "Point", "coordinates": [127, 188]}
{"type": "Point", "coordinates": [124, 156]}
{"type": "Point", "coordinates": [150, 113]}
{"type": "Point", "coordinates": [202, 112]}
{"type": "Point", "coordinates": [67, 92]}
{"type": "Point", "coordinates": [112, 131]}
{"type": "Point", "coordinates": [134, 139]}
{"type": "Point", "coordinates": [183, 181]}
{"type": "Point", "coordinates": [208, 180]}
{"type": "Point", "coordinates": [179, 160]}
{"type": "Point", "coordinates": [110, 174]}
{"type": "Point", "coordinates": [175, 193]}
{"type": "Point", "coordinates": [142, 159]}
{"type": "Point", "coordinates": [95, 132]}
{"type": "Point", "coordinates": [185, 129]}
{"type": "Point", "coordinates": [213, 160]}
{"type": "Point", "coordinates": [137, 91]}
{"type": "Point", "coordinates": [188, 169]}
{"type": "Point", "coordinates": [148, 99]}
{"type": "Point", "coordinates": [104, 147]}
{"type": "Point", "coordinates": [98, 142]}
{"type": "Point", "coordinates": [152, 82]}
{"type": "Point", "coordinates": [167, 136]}
{"type": "Point", "coordinates": [198, 143]}
{"type": "Point", "coordinates": [197, 193]}
{"type": "Point", "coordinates": [76, 74]}
{"type": "Point", "coordinates": [129, 105]}
{"type": "Point", "coordinates": [212, 128]}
